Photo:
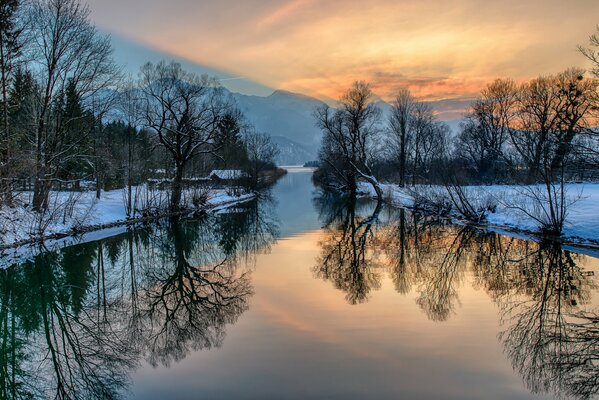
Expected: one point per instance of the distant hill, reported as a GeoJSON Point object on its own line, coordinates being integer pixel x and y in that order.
{"type": "Point", "coordinates": [288, 118]}
{"type": "Point", "coordinates": [292, 153]}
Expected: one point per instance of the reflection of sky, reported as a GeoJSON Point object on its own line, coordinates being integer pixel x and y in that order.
{"type": "Point", "coordinates": [439, 49]}
{"type": "Point", "coordinates": [294, 206]}
{"type": "Point", "coordinates": [301, 338]}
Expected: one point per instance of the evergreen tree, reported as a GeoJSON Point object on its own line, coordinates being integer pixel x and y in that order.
{"type": "Point", "coordinates": [10, 49]}
{"type": "Point", "coordinates": [232, 152]}
{"type": "Point", "coordinates": [21, 100]}
{"type": "Point", "coordinates": [76, 125]}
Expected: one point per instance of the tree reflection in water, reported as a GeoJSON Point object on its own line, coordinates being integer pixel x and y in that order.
{"type": "Point", "coordinates": [549, 335]}
{"type": "Point", "coordinates": [74, 323]}
{"type": "Point", "coordinates": [550, 339]}
{"type": "Point", "coordinates": [345, 258]}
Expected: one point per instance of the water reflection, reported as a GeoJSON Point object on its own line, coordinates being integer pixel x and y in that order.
{"type": "Point", "coordinates": [345, 259]}
{"type": "Point", "coordinates": [550, 329]}
{"type": "Point", "coordinates": [551, 340]}
{"type": "Point", "coordinates": [75, 323]}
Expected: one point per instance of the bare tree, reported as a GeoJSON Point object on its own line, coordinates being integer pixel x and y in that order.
{"type": "Point", "coordinates": [348, 134]}
{"type": "Point", "coordinates": [261, 152]}
{"type": "Point", "coordinates": [487, 129]}
{"type": "Point", "coordinates": [592, 52]}
{"type": "Point", "coordinates": [67, 50]}
{"type": "Point", "coordinates": [576, 101]}
{"type": "Point", "coordinates": [427, 143]}
{"type": "Point", "coordinates": [184, 111]}
{"type": "Point", "coordinates": [401, 124]}
{"type": "Point", "coordinates": [536, 122]}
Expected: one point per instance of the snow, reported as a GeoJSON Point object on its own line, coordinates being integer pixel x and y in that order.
{"type": "Point", "coordinates": [71, 211]}
{"type": "Point", "coordinates": [227, 174]}
{"type": "Point", "coordinates": [582, 219]}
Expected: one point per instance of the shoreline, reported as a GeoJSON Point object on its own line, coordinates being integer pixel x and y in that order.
{"type": "Point", "coordinates": [574, 243]}
{"type": "Point", "coordinates": [81, 232]}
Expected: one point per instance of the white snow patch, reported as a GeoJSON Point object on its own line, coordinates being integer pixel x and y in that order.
{"type": "Point", "coordinates": [582, 220]}
{"type": "Point", "coordinates": [78, 210]}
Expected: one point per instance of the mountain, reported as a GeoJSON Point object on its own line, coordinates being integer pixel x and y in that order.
{"type": "Point", "coordinates": [288, 118]}
{"type": "Point", "coordinates": [292, 153]}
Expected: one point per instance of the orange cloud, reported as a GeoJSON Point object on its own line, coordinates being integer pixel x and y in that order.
{"type": "Point", "coordinates": [281, 13]}
{"type": "Point", "coordinates": [438, 49]}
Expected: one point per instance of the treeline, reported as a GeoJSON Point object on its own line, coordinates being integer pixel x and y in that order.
{"type": "Point", "coordinates": [70, 118]}
{"type": "Point", "coordinates": [513, 133]}
{"type": "Point", "coordinates": [540, 131]}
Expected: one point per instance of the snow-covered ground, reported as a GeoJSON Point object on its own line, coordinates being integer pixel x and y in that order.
{"type": "Point", "coordinates": [582, 220]}
{"type": "Point", "coordinates": [69, 211]}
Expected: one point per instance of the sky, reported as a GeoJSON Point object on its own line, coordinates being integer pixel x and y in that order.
{"type": "Point", "coordinates": [439, 49]}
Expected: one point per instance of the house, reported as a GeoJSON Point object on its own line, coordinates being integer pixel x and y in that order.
{"type": "Point", "coordinates": [227, 175]}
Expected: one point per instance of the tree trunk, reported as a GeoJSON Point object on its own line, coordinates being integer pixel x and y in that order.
{"type": "Point", "coordinates": [372, 180]}
{"type": "Point", "coordinates": [402, 159]}
{"type": "Point", "coordinates": [177, 189]}
{"type": "Point", "coordinates": [41, 190]}
{"type": "Point", "coordinates": [534, 167]}
{"type": "Point", "coordinates": [98, 185]}
{"type": "Point", "coordinates": [7, 186]}
{"type": "Point", "coordinates": [562, 151]}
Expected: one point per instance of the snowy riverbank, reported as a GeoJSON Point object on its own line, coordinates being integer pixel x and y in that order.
{"type": "Point", "coordinates": [71, 213]}
{"type": "Point", "coordinates": [513, 206]}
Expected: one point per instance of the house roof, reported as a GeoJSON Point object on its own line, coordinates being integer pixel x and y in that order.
{"type": "Point", "coordinates": [227, 174]}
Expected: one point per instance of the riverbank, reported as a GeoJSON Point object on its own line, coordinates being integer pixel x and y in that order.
{"type": "Point", "coordinates": [512, 209]}
{"type": "Point", "coordinates": [75, 214]}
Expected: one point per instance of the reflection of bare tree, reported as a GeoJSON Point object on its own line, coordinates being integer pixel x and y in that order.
{"type": "Point", "coordinates": [405, 265]}
{"type": "Point", "coordinates": [249, 230]}
{"type": "Point", "coordinates": [551, 342]}
{"type": "Point", "coordinates": [190, 284]}
{"type": "Point", "coordinates": [75, 322]}
{"type": "Point", "coordinates": [425, 254]}
{"type": "Point", "coordinates": [190, 305]}
{"type": "Point", "coordinates": [438, 292]}
{"type": "Point", "coordinates": [495, 256]}
{"type": "Point", "coordinates": [80, 356]}
{"type": "Point", "coordinates": [345, 259]}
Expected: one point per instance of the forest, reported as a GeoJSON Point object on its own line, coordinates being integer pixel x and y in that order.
{"type": "Point", "coordinates": [71, 119]}
{"type": "Point", "coordinates": [535, 137]}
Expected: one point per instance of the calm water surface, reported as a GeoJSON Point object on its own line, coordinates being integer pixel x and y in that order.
{"type": "Point", "coordinates": [300, 296]}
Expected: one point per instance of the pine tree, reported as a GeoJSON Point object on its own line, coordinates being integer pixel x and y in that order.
{"type": "Point", "coordinates": [21, 99]}
{"type": "Point", "coordinates": [10, 49]}
{"type": "Point", "coordinates": [76, 124]}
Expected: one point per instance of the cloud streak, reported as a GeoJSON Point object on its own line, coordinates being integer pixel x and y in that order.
{"type": "Point", "coordinates": [439, 49]}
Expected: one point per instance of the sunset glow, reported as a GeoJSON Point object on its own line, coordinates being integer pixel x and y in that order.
{"type": "Point", "coordinates": [437, 49]}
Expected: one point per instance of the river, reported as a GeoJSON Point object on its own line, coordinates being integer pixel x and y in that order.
{"type": "Point", "coordinates": [299, 295]}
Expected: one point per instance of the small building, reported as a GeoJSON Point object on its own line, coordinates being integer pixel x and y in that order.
{"type": "Point", "coordinates": [227, 175]}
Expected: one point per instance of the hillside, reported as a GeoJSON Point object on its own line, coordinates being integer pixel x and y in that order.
{"type": "Point", "coordinates": [288, 118]}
